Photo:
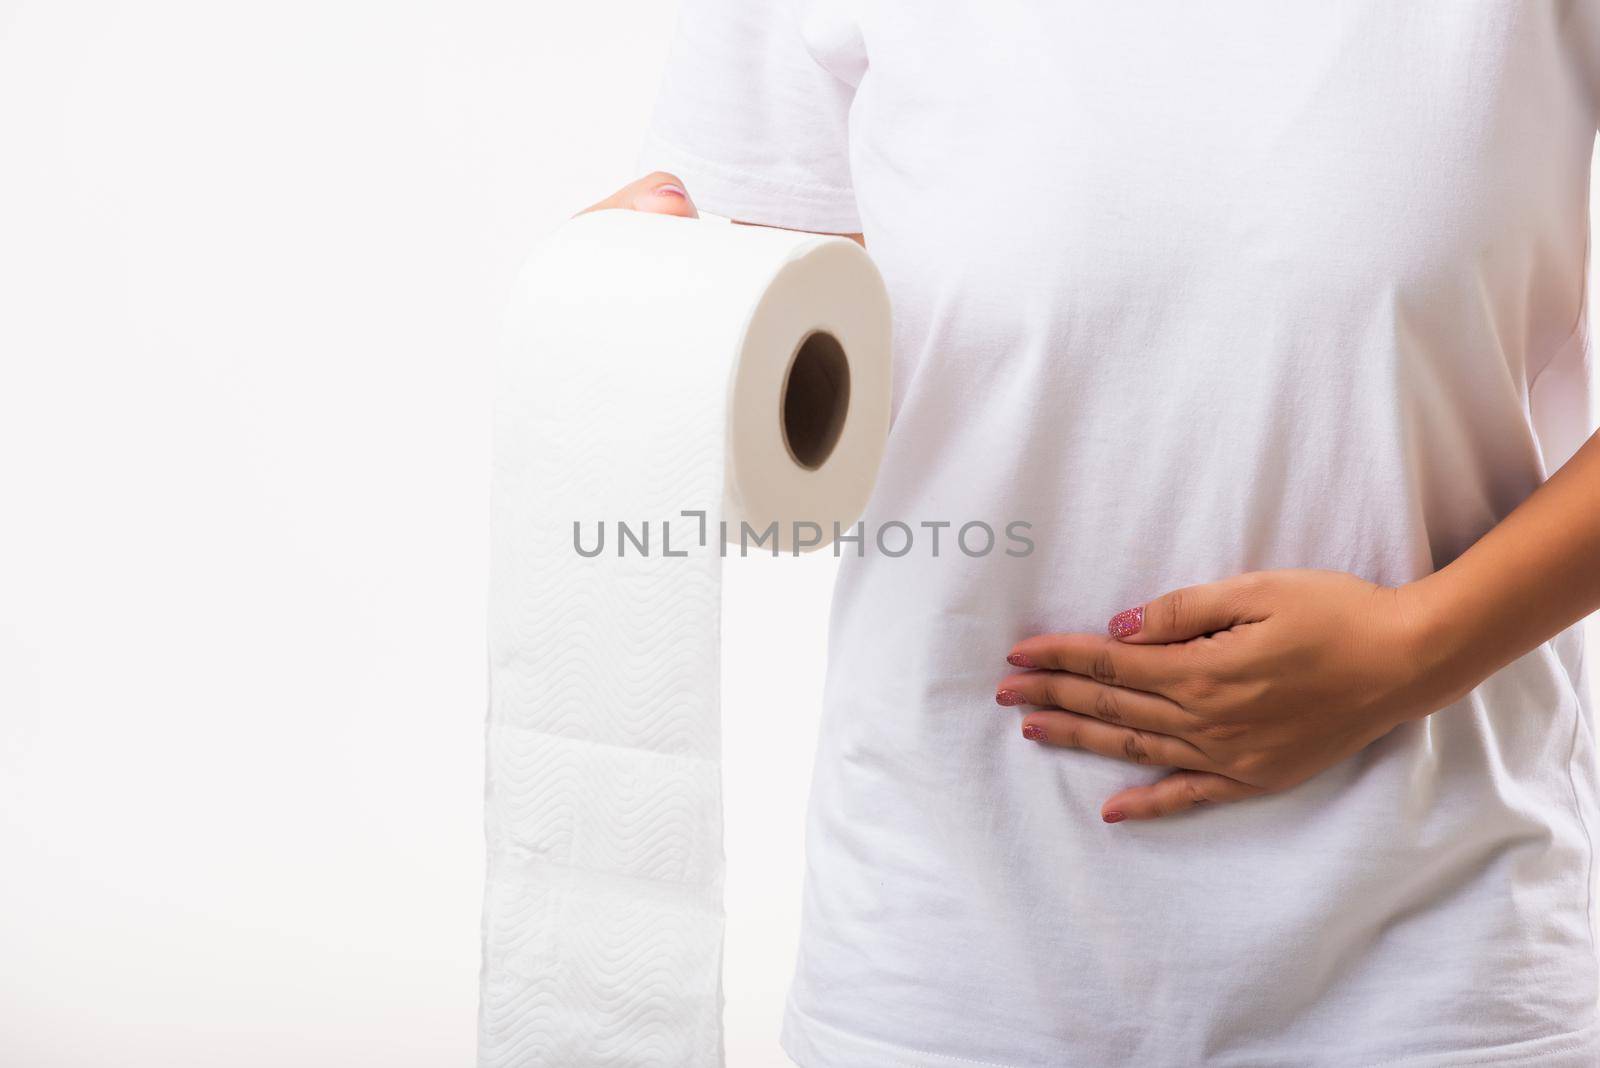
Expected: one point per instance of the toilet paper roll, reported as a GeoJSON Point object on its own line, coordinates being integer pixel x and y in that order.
{"type": "Point", "coordinates": [670, 390]}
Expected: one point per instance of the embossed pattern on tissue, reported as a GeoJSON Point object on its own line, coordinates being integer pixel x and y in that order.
{"type": "Point", "coordinates": [603, 913]}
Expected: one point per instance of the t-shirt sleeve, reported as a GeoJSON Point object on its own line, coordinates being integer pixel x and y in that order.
{"type": "Point", "coordinates": [754, 124]}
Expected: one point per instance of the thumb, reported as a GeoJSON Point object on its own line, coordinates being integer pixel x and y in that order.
{"type": "Point", "coordinates": [1184, 614]}
{"type": "Point", "coordinates": [659, 193]}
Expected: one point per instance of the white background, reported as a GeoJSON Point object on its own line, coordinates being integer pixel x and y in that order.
{"type": "Point", "coordinates": [251, 259]}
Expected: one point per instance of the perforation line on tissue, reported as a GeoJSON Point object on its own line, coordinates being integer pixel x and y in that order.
{"type": "Point", "coordinates": [603, 910]}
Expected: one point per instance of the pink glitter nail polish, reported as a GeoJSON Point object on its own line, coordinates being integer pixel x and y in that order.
{"type": "Point", "coordinates": [1018, 660]}
{"type": "Point", "coordinates": [1009, 698]}
{"type": "Point", "coordinates": [1113, 816]}
{"type": "Point", "coordinates": [1125, 623]}
{"type": "Point", "coordinates": [1033, 732]}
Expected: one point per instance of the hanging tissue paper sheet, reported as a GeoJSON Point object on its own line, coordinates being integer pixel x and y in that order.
{"type": "Point", "coordinates": [664, 384]}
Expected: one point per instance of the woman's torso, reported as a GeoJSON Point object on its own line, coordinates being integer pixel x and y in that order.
{"type": "Point", "coordinates": [1193, 291]}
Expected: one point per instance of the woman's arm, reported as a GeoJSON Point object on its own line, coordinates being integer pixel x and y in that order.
{"type": "Point", "coordinates": [1529, 578]}
{"type": "Point", "coordinates": [1257, 683]}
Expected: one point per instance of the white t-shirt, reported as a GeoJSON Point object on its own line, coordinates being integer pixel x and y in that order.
{"type": "Point", "coordinates": [1194, 289]}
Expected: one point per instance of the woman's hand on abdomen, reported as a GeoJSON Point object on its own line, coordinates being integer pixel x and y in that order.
{"type": "Point", "coordinates": [1245, 687]}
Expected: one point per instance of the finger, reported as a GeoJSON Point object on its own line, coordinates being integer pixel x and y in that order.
{"type": "Point", "coordinates": [1188, 613]}
{"type": "Point", "coordinates": [1072, 731]}
{"type": "Point", "coordinates": [659, 193]}
{"type": "Point", "coordinates": [1178, 792]}
{"type": "Point", "coordinates": [1105, 660]}
{"type": "Point", "coordinates": [1112, 704]}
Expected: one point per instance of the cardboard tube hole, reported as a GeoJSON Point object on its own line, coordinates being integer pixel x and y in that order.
{"type": "Point", "coordinates": [816, 398]}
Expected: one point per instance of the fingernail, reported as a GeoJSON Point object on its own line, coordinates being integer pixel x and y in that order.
{"type": "Point", "coordinates": [667, 189]}
{"type": "Point", "coordinates": [1018, 660]}
{"type": "Point", "coordinates": [1113, 816]}
{"type": "Point", "coordinates": [1033, 732]}
{"type": "Point", "coordinates": [1125, 623]}
{"type": "Point", "coordinates": [1009, 698]}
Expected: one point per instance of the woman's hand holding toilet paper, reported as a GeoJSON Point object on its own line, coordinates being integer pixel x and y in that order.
{"type": "Point", "coordinates": [659, 193]}
{"type": "Point", "coordinates": [1245, 687]}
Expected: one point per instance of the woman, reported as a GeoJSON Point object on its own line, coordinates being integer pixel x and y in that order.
{"type": "Point", "coordinates": [1268, 318]}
